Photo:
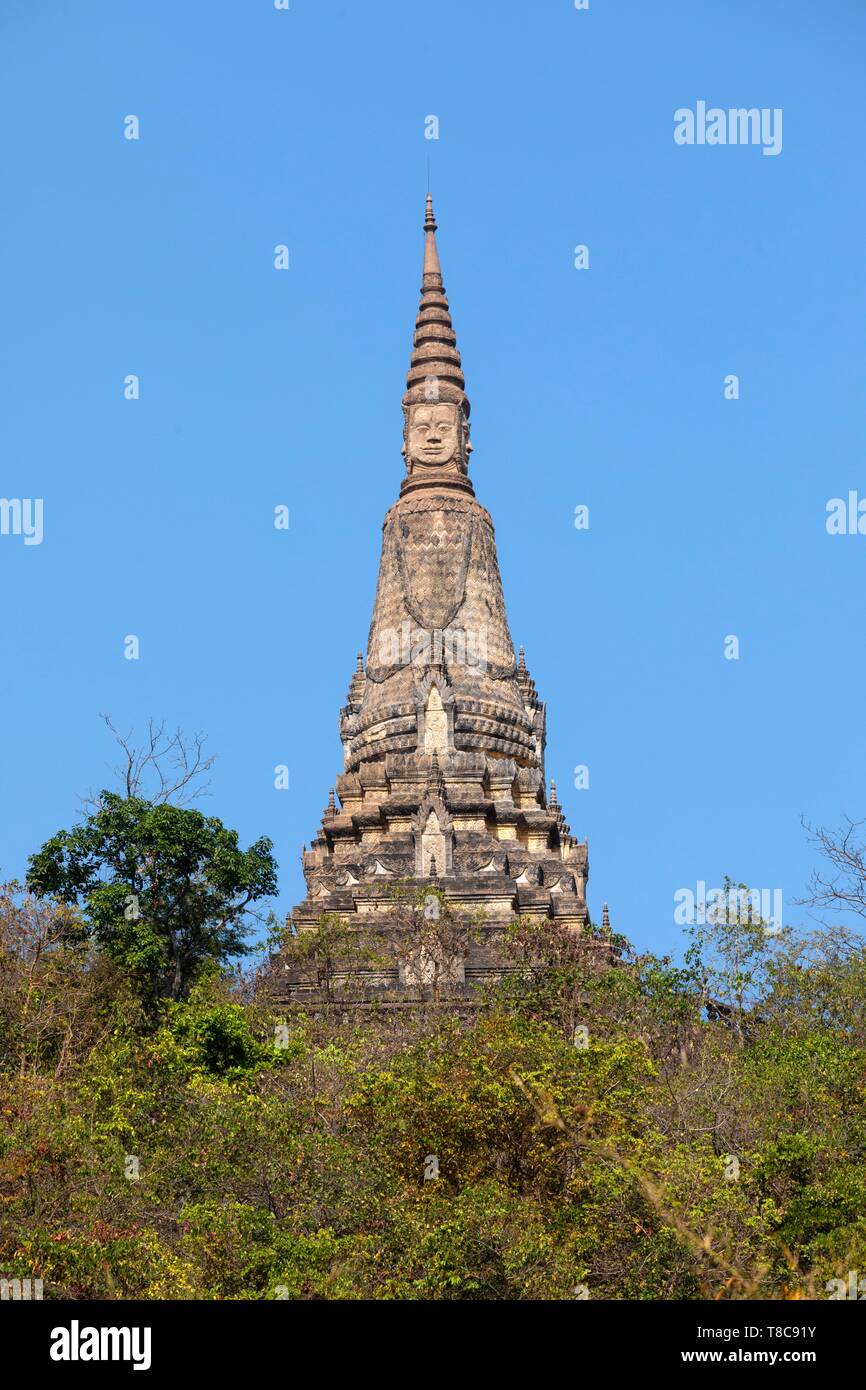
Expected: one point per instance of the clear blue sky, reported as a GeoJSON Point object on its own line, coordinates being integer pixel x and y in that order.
{"type": "Point", "coordinates": [603, 387]}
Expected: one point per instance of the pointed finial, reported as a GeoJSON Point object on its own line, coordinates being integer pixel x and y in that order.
{"type": "Point", "coordinates": [605, 918]}
{"type": "Point", "coordinates": [553, 800]}
{"type": "Point", "coordinates": [332, 805]}
{"type": "Point", "coordinates": [432, 268]}
{"type": "Point", "coordinates": [360, 666]}
{"type": "Point", "coordinates": [521, 660]}
{"type": "Point", "coordinates": [434, 348]}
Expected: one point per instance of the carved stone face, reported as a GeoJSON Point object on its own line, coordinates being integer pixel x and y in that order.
{"type": "Point", "coordinates": [433, 433]}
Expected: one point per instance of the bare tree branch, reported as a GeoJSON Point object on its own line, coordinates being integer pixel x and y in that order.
{"type": "Point", "coordinates": [843, 886]}
{"type": "Point", "coordinates": [163, 767]}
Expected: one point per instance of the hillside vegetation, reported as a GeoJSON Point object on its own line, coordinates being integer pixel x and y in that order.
{"type": "Point", "coordinates": [639, 1130]}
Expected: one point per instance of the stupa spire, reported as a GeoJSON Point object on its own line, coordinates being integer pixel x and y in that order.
{"type": "Point", "coordinates": [443, 732]}
{"type": "Point", "coordinates": [435, 407]}
{"type": "Point", "coordinates": [431, 251]}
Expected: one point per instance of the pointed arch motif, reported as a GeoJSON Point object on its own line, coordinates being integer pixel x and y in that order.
{"type": "Point", "coordinates": [433, 834]}
{"type": "Point", "coordinates": [435, 713]}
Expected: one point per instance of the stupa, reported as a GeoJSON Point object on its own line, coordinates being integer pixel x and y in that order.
{"type": "Point", "coordinates": [443, 732]}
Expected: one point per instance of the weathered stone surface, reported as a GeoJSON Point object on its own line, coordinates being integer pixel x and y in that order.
{"type": "Point", "coordinates": [443, 732]}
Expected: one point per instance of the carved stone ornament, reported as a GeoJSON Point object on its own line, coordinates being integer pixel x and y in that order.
{"type": "Point", "coordinates": [443, 732]}
{"type": "Point", "coordinates": [436, 436]}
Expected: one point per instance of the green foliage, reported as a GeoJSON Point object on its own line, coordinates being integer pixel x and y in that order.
{"type": "Point", "coordinates": [163, 888]}
{"type": "Point", "coordinates": [587, 1122]}
{"type": "Point", "coordinates": [317, 956]}
{"type": "Point", "coordinates": [215, 1037]}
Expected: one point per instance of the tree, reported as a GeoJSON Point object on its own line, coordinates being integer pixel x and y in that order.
{"type": "Point", "coordinates": [164, 767]}
{"type": "Point", "coordinates": [323, 959]}
{"type": "Point", "coordinates": [731, 953]}
{"type": "Point", "coordinates": [842, 888]}
{"type": "Point", "coordinates": [429, 939]}
{"type": "Point", "coordinates": [164, 889]}
{"type": "Point", "coordinates": [45, 983]}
